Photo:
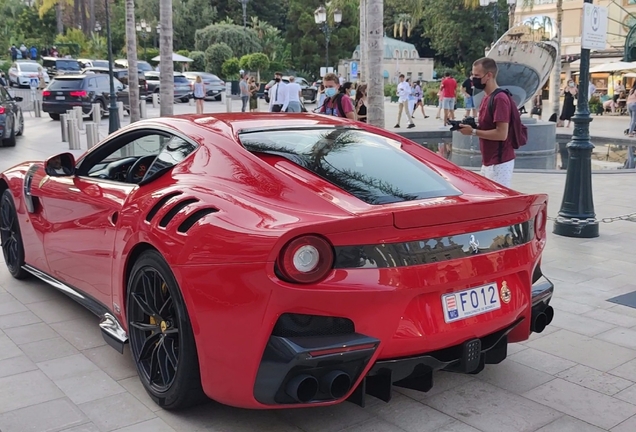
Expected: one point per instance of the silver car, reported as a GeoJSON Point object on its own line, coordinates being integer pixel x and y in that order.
{"type": "Point", "coordinates": [21, 73]}
{"type": "Point", "coordinates": [214, 85]}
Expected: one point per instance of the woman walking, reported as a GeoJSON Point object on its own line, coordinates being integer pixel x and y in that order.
{"type": "Point", "coordinates": [361, 103]}
{"type": "Point", "coordinates": [569, 93]}
{"type": "Point", "coordinates": [419, 102]}
{"type": "Point", "coordinates": [631, 106]}
{"type": "Point", "coordinates": [199, 93]}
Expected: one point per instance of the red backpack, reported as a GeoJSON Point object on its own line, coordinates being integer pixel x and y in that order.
{"type": "Point", "coordinates": [518, 129]}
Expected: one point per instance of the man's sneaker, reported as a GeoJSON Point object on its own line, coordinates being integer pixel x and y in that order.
{"type": "Point", "coordinates": [396, 126]}
{"type": "Point", "coordinates": [412, 125]}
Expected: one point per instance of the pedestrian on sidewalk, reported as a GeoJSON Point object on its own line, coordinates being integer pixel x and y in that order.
{"type": "Point", "coordinates": [199, 93]}
{"type": "Point", "coordinates": [631, 106]}
{"type": "Point", "coordinates": [469, 103]}
{"type": "Point", "coordinates": [419, 100]}
{"type": "Point", "coordinates": [449, 91]}
{"type": "Point", "coordinates": [278, 98]}
{"type": "Point", "coordinates": [494, 130]}
{"type": "Point", "coordinates": [254, 86]}
{"type": "Point", "coordinates": [403, 91]}
{"type": "Point", "coordinates": [336, 103]}
{"type": "Point", "coordinates": [361, 103]}
{"type": "Point", "coordinates": [294, 93]}
{"type": "Point", "coordinates": [245, 92]}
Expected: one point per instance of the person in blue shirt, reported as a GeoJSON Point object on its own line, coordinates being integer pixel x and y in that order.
{"type": "Point", "coordinates": [34, 52]}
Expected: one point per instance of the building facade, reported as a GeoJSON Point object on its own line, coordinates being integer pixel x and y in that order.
{"type": "Point", "coordinates": [399, 58]}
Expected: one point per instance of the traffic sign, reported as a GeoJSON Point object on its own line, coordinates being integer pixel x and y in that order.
{"type": "Point", "coordinates": [34, 83]}
{"type": "Point", "coordinates": [594, 34]}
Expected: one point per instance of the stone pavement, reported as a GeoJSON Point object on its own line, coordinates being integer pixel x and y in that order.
{"type": "Point", "coordinates": [57, 373]}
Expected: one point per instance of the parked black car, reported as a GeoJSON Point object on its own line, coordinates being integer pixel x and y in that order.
{"type": "Point", "coordinates": [121, 75]}
{"type": "Point", "coordinates": [56, 66]}
{"type": "Point", "coordinates": [66, 92]}
{"type": "Point", "coordinates": [11, 118]}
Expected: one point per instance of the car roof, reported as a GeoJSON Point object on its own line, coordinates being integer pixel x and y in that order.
{"type": "Point", "coordinates": [104, 69]}
{"type": "Point", "coordinates": [69, 77]}
{"type": "Point", "coordinates": [157, 73]}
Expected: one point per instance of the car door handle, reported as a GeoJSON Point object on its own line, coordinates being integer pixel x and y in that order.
{"type": "Point", "coordinates": [113, 218]}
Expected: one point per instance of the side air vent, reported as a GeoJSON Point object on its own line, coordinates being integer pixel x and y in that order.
{"type": "Point", "coordinates": [155, 209]}
{"type": "Point", "coordinates": [176, 209]}
{"type": "Point", "coordinates": [193, 218]}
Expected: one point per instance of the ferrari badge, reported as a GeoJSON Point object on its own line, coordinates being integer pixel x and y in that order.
{"type": "Point", "coordinates": [506, 295]}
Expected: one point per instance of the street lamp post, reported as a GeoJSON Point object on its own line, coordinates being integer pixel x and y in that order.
{"type": "Point", "coordinates": [577, 217]}
{"type": "Point", "coordinates": [320, 16]}
{"type": "Point", "coordinates": [144, 29]}
{"type": "Point", "coordinates": [244, 4]}
{"type": "Point", "coordinates": [113, 111]}
{"type": "Point", "coordinates": [158, 35]}
{"type": "Point", "coordinates": [495, 14]}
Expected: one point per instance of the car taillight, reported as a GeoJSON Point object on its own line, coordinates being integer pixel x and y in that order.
{"type": "Point", "coordinates": [540, 223]}
{"type": "Point", "coordinates": [1, 110]}
{"type": "Point", "coordinates": [46, 93]}
{"type": "Point", "coordinates": [307, 259]}
{"type": "Point", "coordinates": [81, 93]}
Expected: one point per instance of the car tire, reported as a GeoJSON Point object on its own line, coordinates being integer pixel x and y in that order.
{"type": "Point", "coordinates": [12, 246]}
{"type": "Point", "coordinates": [155, 332]}
{"type": "Point", "coordinates": [54, 116]}
{"type": "Point", "coordinates": [10, 142]}
{"type": "Point", "coordinates": [20, 131]}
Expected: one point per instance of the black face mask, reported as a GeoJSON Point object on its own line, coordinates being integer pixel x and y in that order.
{"type": "Point", "coordinates": [277, 79]}
{"type": "Point", "coordinates": [478, 84]}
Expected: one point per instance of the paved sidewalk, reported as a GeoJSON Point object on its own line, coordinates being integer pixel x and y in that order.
{"type": "Point", "coordinates": [57, 374]}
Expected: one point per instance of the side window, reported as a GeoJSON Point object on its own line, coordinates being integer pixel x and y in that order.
{"type": "Point", "coordinates": [92, 84]}
{"type": "Point", "coordinates": [174, 152]}
{"type": "Point", "coordinates": [102, 83]}
{"type": "Point", "coordinates": [4, 96]}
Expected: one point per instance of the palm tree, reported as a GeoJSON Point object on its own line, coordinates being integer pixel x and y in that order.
{"type": "Point", "coordinates": [403, 22]}
{"type": "Point", "coordinates": [363, 67]}
{"type": "Point", "coordinates": [375, 50]}
{"type": "Point", "coordinates": [166, 67]}
{"type": "Point", "coordinates": [131, 48]}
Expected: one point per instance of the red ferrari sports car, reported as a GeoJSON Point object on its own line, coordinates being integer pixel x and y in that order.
{"type": "Point", "coordinates": [277, 260]}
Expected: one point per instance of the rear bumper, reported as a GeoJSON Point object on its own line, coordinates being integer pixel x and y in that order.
{"type": "Point", "coordinates": [62, 107]}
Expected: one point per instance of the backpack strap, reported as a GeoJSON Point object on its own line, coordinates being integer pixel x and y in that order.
{"type": "Point", "coordinates": [339, 104]}
{"type": "Point", "coordinates": [491, 111]}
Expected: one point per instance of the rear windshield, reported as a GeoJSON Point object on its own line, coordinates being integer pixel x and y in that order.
{"type": "Point", "coordinates": [29, 67]}
{"type": "Point", "coordinates": [144, 67]}
{"type": "Point", "coordinates": [70, 65]}
{"type": "Point", "coordinates": [66, 84]}
{"type": "Point", "coordinates": [181, 79]}
{"type": "Point", "coordinates": [100, 63]}
{"type": "Point", "coordinates": [372, 168]}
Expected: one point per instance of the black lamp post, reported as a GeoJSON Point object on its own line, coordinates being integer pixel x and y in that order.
{"type": "Point", "coordinates": [144, 29]}
{"type": "Point", "coordinates": [320, 16]}
{"type": "Point", "coordinates": [244, 4]}
{"type": "Point", "coordinates": [576, 217]}
{"type": "Point", "coordinates": [113, 111]}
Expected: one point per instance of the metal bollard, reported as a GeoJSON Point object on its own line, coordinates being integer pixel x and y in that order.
{"type": "Point", "coordinates": [64, 124]}
{"type": "Point", "coordinates": [143, 109]}
{"type": "Point", "coordinates": [79, 116]}
{"type": "Point", "coordinates": [37, 107]}
{"type": "Point", "coordinates": [155, 100]}
{"type": "Point", "coordinates": [228, 102]}
{"type": "Point", "coordinates": [97, 113]}
{"type": "Point", "coordinates": [120, 110]}
{"type": "Point", "coordinates": [73, 134]}
{"type": "Point", "coordinates": [92, 136]}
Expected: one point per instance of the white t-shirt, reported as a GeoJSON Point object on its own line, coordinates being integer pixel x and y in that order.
{"type": "Point", "coordinates": [403, 91]}
{"type": "Point", "coordinates": [293, 90]}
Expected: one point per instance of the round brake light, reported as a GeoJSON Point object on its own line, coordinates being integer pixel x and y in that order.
{"type": "Point", "coordinates": [306, 259]}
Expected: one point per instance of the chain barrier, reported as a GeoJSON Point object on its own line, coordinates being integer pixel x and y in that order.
{"type": "Point", "coordinates": [630, 217]}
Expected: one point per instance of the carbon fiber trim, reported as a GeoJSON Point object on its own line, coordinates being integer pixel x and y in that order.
{"type": "Point", "coordinates": [435, 250]}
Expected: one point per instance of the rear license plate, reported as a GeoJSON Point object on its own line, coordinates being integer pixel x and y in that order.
{"type": "Point", "coordinates": [59, 98]}
{"type": "Point", "coordinates": [471, 302]}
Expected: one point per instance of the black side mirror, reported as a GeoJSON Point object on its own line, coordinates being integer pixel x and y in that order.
{"type": "Point", "coordinates": [18, 98]}
{"type": "Point", "coordinates": [60, 165]}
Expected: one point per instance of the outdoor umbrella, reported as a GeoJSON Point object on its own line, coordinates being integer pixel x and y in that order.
{"type": "Point", "coordinates": [613, 67]}
{"type": "Point", "coordinates": [178, 58]}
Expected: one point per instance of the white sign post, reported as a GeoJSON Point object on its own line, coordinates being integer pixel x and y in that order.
{"type": "Point", "coordinates": [594, 34]}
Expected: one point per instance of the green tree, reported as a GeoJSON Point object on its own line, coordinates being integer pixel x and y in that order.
{"type": "Point", "coordinates": [215, 56]}
{"type": "Point", "coordinates": [243, 41]}
{"type": "Point", "coordinates": [244, 61]}
{"type": "Point", "coordinates": [258, 62]}
{"type": "Point", "coordinates": [198, 60]}
{"type": "Point", "coordinates": [457, 32]}
{"type": "Point", "coordinates": [190, 15]}
{"type": "Point", "coordinates": [230, 68]}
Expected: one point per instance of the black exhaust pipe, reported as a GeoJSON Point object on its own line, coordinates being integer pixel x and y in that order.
{"type": "Point", "coordinates": [549, 313]}
{"type": "Point", "coordinates": [302, 388]}
{"type": "Point", "coordinates": [336, 384]}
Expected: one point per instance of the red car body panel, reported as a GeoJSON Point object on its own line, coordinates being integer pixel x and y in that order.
{"type": "Point", "coordinates": [87, 230]}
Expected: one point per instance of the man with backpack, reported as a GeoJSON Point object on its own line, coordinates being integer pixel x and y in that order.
{"type": "Point", "coordinates": [336, 103]}
{"type": "Point", "coordinates": [499, 129]}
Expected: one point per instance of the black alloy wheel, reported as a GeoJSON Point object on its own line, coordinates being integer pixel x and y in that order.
{"type": "Point", "coordinates": [161, 338]}
{"type": "Point", "coordinates": [10, 236]}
